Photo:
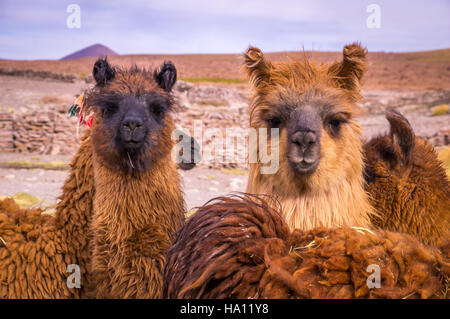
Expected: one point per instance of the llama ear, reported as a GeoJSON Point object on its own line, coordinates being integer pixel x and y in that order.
{"type": "Point", "coordinates": [166, 76]}
{"type": "Point", "coordinates": [256, 66]}
{"type": "Point", "coordinates": [350, 71]}
{"type": "Point", "coordinates": [102, 72]}
{"type": "Point", "coordinates": [402, 133]}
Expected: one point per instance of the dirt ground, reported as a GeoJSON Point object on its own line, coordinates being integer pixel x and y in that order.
{"type": "Point", "coordinates": [20, 94]}
{"type": "Point", "coordinates": [199, 184]}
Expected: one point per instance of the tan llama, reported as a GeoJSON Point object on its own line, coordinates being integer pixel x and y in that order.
{"type": "Point", "coordinates": [319, 182]}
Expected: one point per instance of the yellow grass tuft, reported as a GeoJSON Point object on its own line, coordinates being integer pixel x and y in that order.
{"type": "Point", "coordinates": [54, 165]}
{"type": "Point", "coordinates": [25, 200]}
{"type": "Point", "coordinates": [234, 171]}
{"type": "Point", "coordinates": [440, 110]}
{"type": "Point", "coordinates": [190, 213]}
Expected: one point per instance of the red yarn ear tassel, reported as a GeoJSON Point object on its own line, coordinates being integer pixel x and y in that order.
{"type": "Point", "coordinates": [90, 121]}
{"type": "Point", "coordinates": [78, 109]}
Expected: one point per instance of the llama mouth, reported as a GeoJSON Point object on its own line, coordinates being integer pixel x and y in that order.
{"type": "Point", "coordinates": [304, 168]}
{"type": "Point", "coordinates": [133, 145]}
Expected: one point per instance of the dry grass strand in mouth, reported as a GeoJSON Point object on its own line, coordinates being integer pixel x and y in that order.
{"type": "Point", "coordinates": [3, 241]}
{"type": "Point", "coordinates": [131, 162]}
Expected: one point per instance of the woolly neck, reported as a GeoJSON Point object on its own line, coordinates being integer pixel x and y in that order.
{"type": "Point", "coordinates": [128, 203]}
{"type": "Point", "coordinates": [342, 203]}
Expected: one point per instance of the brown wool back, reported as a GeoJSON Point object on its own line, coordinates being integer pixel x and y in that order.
{"type": "Point", "coordinates": [242, 248]}
{"type": "Point", "coordinates": [33, 264]}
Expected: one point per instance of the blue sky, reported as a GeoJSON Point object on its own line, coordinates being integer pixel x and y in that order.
{"type": "Point", "coordinates": [37, 29]}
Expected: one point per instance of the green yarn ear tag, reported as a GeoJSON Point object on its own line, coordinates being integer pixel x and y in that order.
{"type": "Point", "coordinates": [78, 109]}
{"type": "Point", "coordinates": [73, 110]}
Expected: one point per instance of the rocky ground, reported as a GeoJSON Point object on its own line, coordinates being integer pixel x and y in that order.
{"type": "Point", "coordinates": [199, 184]}
{"type": "Point", "coordinates": [35, 131]}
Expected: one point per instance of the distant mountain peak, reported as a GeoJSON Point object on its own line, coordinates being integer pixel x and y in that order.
{"type": "Point", "coordinates": [94, 50]}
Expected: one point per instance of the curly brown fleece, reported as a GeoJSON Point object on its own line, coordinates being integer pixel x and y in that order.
{"type": "Point", "coordinates": [36, 249]}
{"type": "Point", "coordinates": [136, 212]}
{"type": "Point", "coordinates": [407, 183]}
{"type": "Point", "coordinates": [242, 248]}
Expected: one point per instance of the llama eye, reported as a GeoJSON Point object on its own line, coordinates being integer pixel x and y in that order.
{"type": "Point", "coordinates": [335, 124]}
{"type": "Point", "coordinates": [273, 122]}
{"type": "Point", "coordinates": [108, 109]}
{"type": "Point", "coordinates": [388, 155]}
{"type": "Point", "coordinates": [158, 110]}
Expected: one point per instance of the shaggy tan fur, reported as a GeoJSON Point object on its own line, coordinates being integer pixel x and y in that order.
{"type": "Point", "coordinates": [242, 248]}
{"type": "Point", "coordinates": [407, 184]}
{"type": "Point", "coordinates": [334, 194]}
{"type": "Point", "coordinates": [136, 211]}
{"type": "Point", "coordinates": [36, 249]}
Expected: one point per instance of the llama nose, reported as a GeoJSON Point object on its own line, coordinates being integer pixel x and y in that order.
{"type": "Point", "coordinates": [304, 139]}
{"type": "Point", "coordinates": [132, 123]}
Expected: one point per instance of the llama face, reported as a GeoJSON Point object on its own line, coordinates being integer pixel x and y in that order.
{"type": "Point", "coordinates": [319, 143]}
{"type": "Point", "coordinates": [132, 126]}
{"type": "Point", "coordinates": [306, 121]}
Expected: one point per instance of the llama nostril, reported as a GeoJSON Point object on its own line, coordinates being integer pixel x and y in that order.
{"type": "Point", "coordinates": [132, 124]}
{"type": "Point", "coordinates": [304, 138]}
{"type": "Point", "coordinates": [310, 138]}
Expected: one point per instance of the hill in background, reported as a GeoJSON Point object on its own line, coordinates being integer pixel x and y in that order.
{"type": "Point", "coordinates": [410, 70]}
{"type": "Point", "coordinates": [95, 50]}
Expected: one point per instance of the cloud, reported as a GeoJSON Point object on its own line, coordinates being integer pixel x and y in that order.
{"type": "Point", "coordinates": [37, 29]}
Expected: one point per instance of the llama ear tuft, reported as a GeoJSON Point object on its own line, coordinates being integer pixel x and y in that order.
{"type": "Point", "coordinates": [402, 133]}
{"type": "Point", "coordinates": [102, 71]}
{"type": "Point", "coordinates": [166, 76]}
{"type": "Point", "coordinates": [256, 66]}
{"type": "Point", "coordinates": [349, 72]}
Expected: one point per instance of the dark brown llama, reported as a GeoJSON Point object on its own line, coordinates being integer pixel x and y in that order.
{"type": "Point", "coordinates": [243, 248]}
{"type": "Point", "coordinates": [138, 201]}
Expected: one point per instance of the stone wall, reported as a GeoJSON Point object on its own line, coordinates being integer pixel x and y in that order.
{"type": "Point", "coordinates": [6, 132]}
{"type": "Point", "coordinates": [48, 131]}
